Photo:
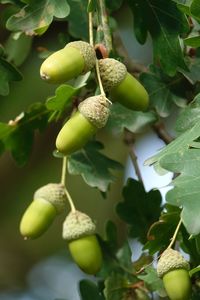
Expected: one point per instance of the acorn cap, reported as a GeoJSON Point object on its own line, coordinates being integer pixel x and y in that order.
{"type": "Point", "coordinates": [96, 110]}
{"type": "Point", "coordinates": [112, 72]}
{"type": "Point", "coordinates": [77, 225]}
{"type": "Point", "coordinates": [53, 193]}
{"type": "Point", "coordinates": [171, 260]}
{"type": "Point", "coordinates": [88, 53]}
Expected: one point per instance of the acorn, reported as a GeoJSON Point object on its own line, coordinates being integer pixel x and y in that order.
{"type": "Point", "coordinates": [174, 271]}
{"type": "Point", "coordinates": [74, 59]}
{"type": "Point", "coordinates": [79, 231]}
{"type": "Point", "coordinates": [92, 114]}
{"type": "Point", "coordinates": [122, 86]}
{"type": "Point", "coordinates": [48, 201]}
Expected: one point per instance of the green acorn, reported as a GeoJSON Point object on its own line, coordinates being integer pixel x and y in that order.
{"type": "Point", "coordinates": [79, 231]}
{"type": "Point", "coordinates": [92, 114]}
{"type": "Point", "coordinates": [122, 86]}
{"type": "Point", "coordinates": [74, 59]}
{"type": "Point", "coordinates": [173, 269]}
{"type": "Point", "coordinates": [49, 201]}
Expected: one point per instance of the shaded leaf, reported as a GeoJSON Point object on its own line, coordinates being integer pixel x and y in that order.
{"type": "Point", "coordinates": [194, 270]}
{"type": "Point", "coordinates": [17, 49]}
{"type": "Point", "coordinates": [195, 9]}
{"type": "Point", "coordinates": [135, 121]}
{"type": "Point", "coordinates": [18, 135]}
{"type": "Point", "coordinates": [152, 280]}
{"type": "Point", "coordinates": [161, 232]}
{"type": "Point", "coordinates": [164, 22]}
{"type": "Point", "coordinates": [164, 91]}
{"type": "Point", "coordinates": [37, 16]}
{"type": "Point", "coordinates": [7, 73]}
{"type": "Point", "coordinates": [193, 75]}
{"type": "Point", "coordinates": [118, 286]}
{"type": "Point", "coordinates": [93, 166]}
{"type": "Point", "coordinates": [78, 19]}
{"type": "Point", "coordinates": [139, 208]}
{"type": "Point", "coordinates": [89, 290]}
{"type": "Point", "coordinates": [114, 4]}
{"type": "Point", "coordinates": [193, 41]}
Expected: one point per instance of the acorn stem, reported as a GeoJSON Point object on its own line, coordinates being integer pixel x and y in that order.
{"type": "Point", "coordinates": [175, 234]}
{"type": "Point", "coordinates": [71, 203]}
{"type": "Point", "coordinates": [91, 38]}
{"type": "Point", "coordinates": [64, 170]}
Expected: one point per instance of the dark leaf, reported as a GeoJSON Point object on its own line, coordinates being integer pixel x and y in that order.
{"type": "Point", "coordinates": [89, 290]}
{"type": "Point", "coordinates": [139, 209]}
{"type": "Point", "coordinates": [78, 19]}
{"type": "Point", "coordinates": [7, 73]}
{"type": "Point", "coordinates": [164, 91]}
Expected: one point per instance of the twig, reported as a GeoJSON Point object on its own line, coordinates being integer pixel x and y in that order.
{"type": "Point", "coordinates": [132, 66]}
{"type": "Point", "coordinates": [92, 44]}
{"type": "Point", "coordinates": [129, 140]}
{"type": "Point", "coordinates": [64, 170]}
{"type": "Point", "coordinates": [162, 133]}
{"type": "Point", "coordinates": [71, 203]}
{"type": "Point", "coordinates": [175, 234]}
{"type": "Point", "coordinates": [103, 26]}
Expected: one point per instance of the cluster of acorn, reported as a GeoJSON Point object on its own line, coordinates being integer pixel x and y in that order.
{"type": "Point", "coordinates": [78, 228]}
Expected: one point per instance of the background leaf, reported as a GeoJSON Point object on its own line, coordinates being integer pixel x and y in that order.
{"type": "Point", "coordinates": [164, 22]}
{"type": "Point", "coordinates": [7, 73]}
{"type": "Point", "coordinates": [37, 15]}
{"type": "Point", "coordinates": [89, 290]}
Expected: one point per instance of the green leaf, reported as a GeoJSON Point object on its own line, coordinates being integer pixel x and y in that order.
{"type": "Point", "coordinates": [114, 4]}
{"type": "Point", "coordinates": [186, 186]}
{"type": "Point", "coordinates": [194, 270]}
{"type": "Point", "coordinates": [18, 135]}
{"type": "Point", "coordinates": [17, 49]}
{"type": "Point", "coordinates": [164, 22]}
{"type": "Point", "coordinates": [193, 41]}
{"type": "Point", "coordinates": [179, 145]}
{"type": "Point", "coordinates": [93, 166]}
{"type": "Point", "coordinates": [7, 73]}
{"type": "Point", "coordinates": [89, 290]}
{"type": "Point", "coordinates": [139, 208]}
{"type": "Point", "coordinates": [152, 280]}
{"type": "Point", "coordinates": [37, 16]}
{"type": "Point", "coordinates": [135, 121]}
{"type": "Point", "coordinates": [62, 99]}
{"type": "Point", "coordinates": [118, 286]}
{"type": "Point", "coordinates": [164, 91]}
{"type": "Point", "coordinates": [78, 19]}
{"type": "Point", "coordinates": [189, 116]}
{"type": "Point", "coordinates": [195, 9]}
{"type": "Point", "coordinates": [92, 4]}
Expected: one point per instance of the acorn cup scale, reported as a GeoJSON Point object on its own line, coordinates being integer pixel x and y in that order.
{"type": "Point", "coordinates": [174, 271]}
{"type": "Point", "coordinates": [74, 59]}
{"type": "Point", "coordinates": [48, 201]}
{"type": "Point", "coordinates": [122, 86]}
{"type": "Point", "coordinates": [92, 114]}
{"type": "Point", "coordinates": [79, 231]}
